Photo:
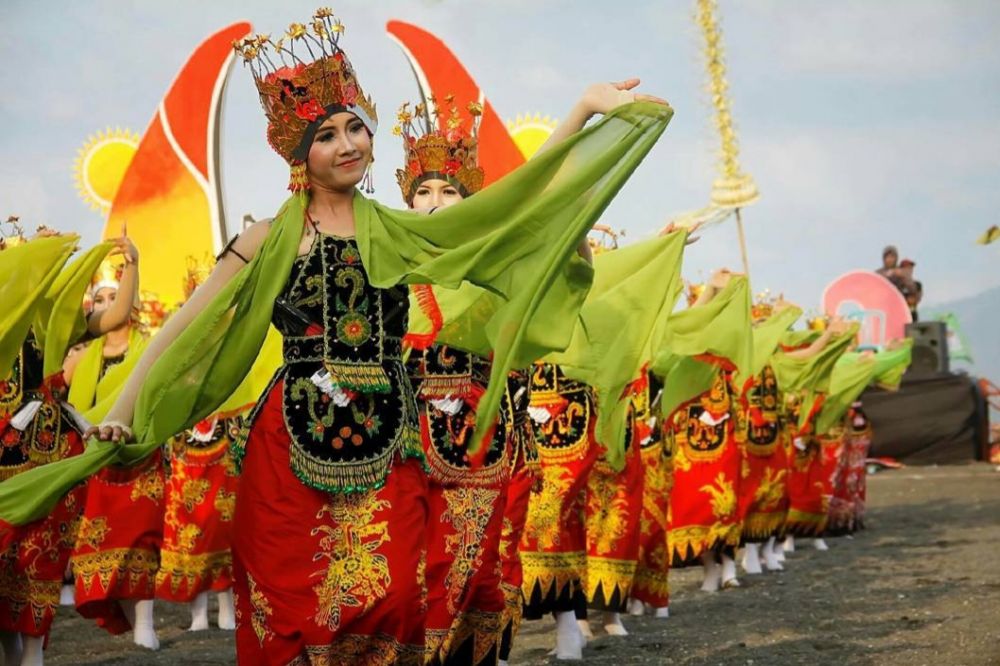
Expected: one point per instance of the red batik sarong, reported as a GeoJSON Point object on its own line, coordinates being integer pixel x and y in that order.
{"type": "Point", "coordinates": [325, 578]}
{"type": "Point", "coordinates": [554, 544]}
{"type": "Point", "coordinates": [703, 514]}
{"type": "Point", "coordinates": [525, 476]}
{"type": "Point", "coordinates": [33, 557]}
{"type": "Point", "coordinates": [613, 512]}
{"type": "Point", "coordinates": [197, 527]}
{"type": "Point", "coordinates": [859, 439]}
{"type": "Point", "coordinates": [763, 497]}
{"type": "Point", "coordinates": [117, 550]}
{"type": "Point", "coordinates": [651, 583]}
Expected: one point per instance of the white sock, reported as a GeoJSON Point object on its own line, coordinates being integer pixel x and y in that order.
{"type": "Point", "coordinates": [820, 544]}
{"type": "Point", "coordinates": [227, 610]}
{"type": "Point", "coordinates": [144, 631]}
{"type": "Point", "coordinates": [769, 551]}
{"type": "Point", "coordinates": [12, 647]}
{"type": "Point", "coordinates": [502, 662]}
{"type": "Point", "coordinates": [729, 572]}
{"type": "Point", "coordinates": [713, 573]}
{"type": "Point", "coordinates": [613, 624]}
{"type": "Point", "coordinates": [663, 612]}
{"type": "Point", "coordinates": [636, 607]}
{"type": "Point", "coordinates": [569, 640]}
{"type": "Point", "coordinates": [33, 653]}
{"type": "Point", "coordinates": [199, 613]}
{"type": "Point", "coordinates": [751, 559]}
{"type": "Point", "coordinates": [789, 545]}
{"type": "Point", "coordinates": [67, 595]}
{"type": "Point", "coordinates": [585, 630]}
{"type": "Point", "coordinates": [778, 548]}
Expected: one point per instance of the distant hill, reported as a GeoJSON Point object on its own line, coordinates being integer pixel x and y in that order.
{"type": "Point", "coordinates": [979, 317]}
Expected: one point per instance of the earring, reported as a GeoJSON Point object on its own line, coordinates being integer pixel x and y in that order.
{"type": "Point", "coordinates": [368, 180]}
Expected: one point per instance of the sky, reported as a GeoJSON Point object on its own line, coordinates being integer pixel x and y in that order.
{"type": "Point", "coordinates": [863, 123]}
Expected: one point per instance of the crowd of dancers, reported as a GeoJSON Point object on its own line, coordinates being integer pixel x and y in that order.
{"type": "Point", "coordinates": [383, 436]}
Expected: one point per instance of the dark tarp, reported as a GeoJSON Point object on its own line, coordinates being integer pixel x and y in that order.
{"type": "Point", "coordinates": [936, 419]}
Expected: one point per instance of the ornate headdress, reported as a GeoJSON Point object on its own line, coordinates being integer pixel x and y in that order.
{"type": "Point", "coordinates": [108, 275]}
{"type": "Point", "coordinates": [763, 306]}
{"type": "Point", "coordinates": [14, 236]}
{"type": "Point", "coordinates": [694, 290]}
{"type": "Point", "coordinates": [300, 90]}
{"type": "Point", "coordinates": [441, 148]}
{"type": "Point", "coordinates": [197, 272]}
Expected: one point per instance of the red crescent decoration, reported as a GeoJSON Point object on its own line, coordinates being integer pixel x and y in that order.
{"type": "Point", "coordinates": [874, 301]}
{"type": "Point", "coordinates": [440, 73]}
{"type": "Point", "coordinates": [170, 195]}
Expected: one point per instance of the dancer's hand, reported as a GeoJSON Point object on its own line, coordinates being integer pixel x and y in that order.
{"type": "Point", "coordinates": [126, 248]}
{"type": "Point", "coordinates": [601, 98]}
{"type": "Point", "coordinates": [110, 431]}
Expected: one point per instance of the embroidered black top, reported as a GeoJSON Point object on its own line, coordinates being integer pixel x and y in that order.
{"type": "Point", "coordinates": [355, 334]}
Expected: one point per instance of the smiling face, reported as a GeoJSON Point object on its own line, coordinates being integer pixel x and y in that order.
{"type": "Point", "coordinates": [340, 153]}
{"type": "Point", "coordinates": [435, 193]}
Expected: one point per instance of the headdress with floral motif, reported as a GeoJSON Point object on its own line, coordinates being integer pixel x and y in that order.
{"type": "Point", "coordinates": [763, 306]}
{"type": "Point", "coordinates": [108, 275]}
{"type": "Point", "coordinates": [303, 78]}
{"type": "Point", "coordinates": [438, 147]}
{"type": "Point", "coordinates": [11, 232]}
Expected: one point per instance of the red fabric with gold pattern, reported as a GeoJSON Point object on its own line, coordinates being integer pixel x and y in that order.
{"type": "Point", "coordinates": [554, 543]}
{"type": "Point", "coordinates": [859, 439]}
{"type": "Point", "coordinates": [464, 599]}
{"type": "Point", "coordinates": [117, 549]}
{"type": "Point", "coordinates": [840, 506]}
{"type": "Point", "coordinates": [703, 512]}
{"type": "Point", "coordinates": [763, 495]}
{"type": "Point", "coordinates": [322, 577]}
{"type": "Point", "coordinates": [524, 478]}
{"type": "Point", "coordinates": [197, 526]}
{"type": "Point", "coordinates": [651, 583]}
{"type": "Point", "coordinates": [613, 509]}
{"type": "Point", "coordinates": [33, 561]}
{"type": "Point", "coordinates": [810, 483]}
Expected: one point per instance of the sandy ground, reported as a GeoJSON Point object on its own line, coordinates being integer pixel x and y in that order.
{"type": "Point", "coordinates": [920, 586]}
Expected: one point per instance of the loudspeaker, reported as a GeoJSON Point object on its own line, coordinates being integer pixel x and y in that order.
{"type": "Point", "coordinates": [930, 348]}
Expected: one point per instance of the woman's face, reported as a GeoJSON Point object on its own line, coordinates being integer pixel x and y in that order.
{"type": "Point", "coordinates": [340, 153]}
{"type": "Point", "coordinates": [103, 299]}
{"type": "Point", "coordinates": [435, 193]}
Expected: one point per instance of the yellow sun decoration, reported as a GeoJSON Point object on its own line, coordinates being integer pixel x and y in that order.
{"type": "Point", "coordinates": [101, 164]}
{"type": "Point", "coordinates": [530, 132]}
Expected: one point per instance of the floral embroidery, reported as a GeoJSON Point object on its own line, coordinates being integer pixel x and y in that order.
{"type": "Point", "coordinates": [357, 574]}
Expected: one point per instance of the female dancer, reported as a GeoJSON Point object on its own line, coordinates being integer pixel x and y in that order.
{"type": "Point", "coordinates": [332, 505]}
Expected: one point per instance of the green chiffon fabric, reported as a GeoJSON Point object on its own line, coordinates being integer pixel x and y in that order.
{"type": "Point", "coordinates": [88, 387]}
{"type": "Point", "coordinates": [26, 273]}
{"type": "Point", "coordinates": [810, 377]}
{"type": "Point", "coordinates": [621, 324]}
{"type": "Point", "coordinates": [719, 328]}
{"type": "Point", "coordinates": [517, 239]}
{"type": "Point", "coordinates": [59, 319]}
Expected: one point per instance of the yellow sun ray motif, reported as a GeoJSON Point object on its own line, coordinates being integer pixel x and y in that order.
{"type": "Point", "coordinates": [101, 164]}
{"type": "Point", "coordinates": [530, 132]}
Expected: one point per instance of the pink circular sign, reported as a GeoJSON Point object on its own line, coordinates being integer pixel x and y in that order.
{"type": "Point", "coordinates": [868, 297]}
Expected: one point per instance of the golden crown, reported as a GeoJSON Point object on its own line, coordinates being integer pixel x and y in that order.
{"type": "Point", "coordinates": [763, 306]}
{"type": "Point", "coordinates": [108, 275]}
{"type": "Point", "coordinates": [436, 147]}
{"type": "Point", "coordinates": [300, 90]}
{"type": "Point", "coordinates": [197, 273]}
{"type": "Point", "coordinates": [15, 235]}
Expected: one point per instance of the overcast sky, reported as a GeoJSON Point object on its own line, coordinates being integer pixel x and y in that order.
{"type": "Point", "coordinates": [863, 122]}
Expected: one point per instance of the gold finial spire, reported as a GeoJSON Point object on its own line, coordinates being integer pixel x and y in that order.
{"type": "Point", "coordinates": [733, 188]}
